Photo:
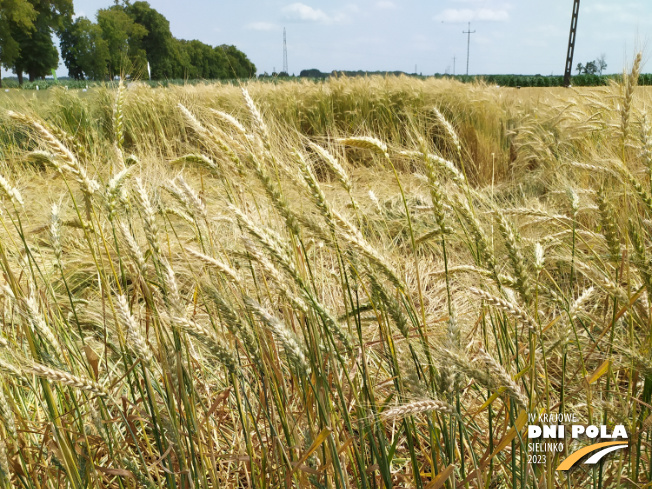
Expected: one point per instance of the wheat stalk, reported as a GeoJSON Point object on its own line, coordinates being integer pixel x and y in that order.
{"type": "Point", "coordinates": [506, 306]}
{"type": "Point", "coordinates": [452, 134]}
{"type": "Point", "coordinates": [71, 164]}
{"type": "Point", "coordinates": [365, 142]}
{"type": "Point", "coordinates": [515, 258]}
{"type": "Point", "coordinates": [7, 415]}
{"type": "Point", "coordinates": [135, 340]}
{"type": "Point", "coordinates": [286, 337]}
{"type": "Point", "coordinates": [192, 197]}
{"type": "Point", "coordinates": [118, 116]}
{"type": "Point", "coordinates": [231, 121]}
{"type": "Point", "coordinates": [115, 190]}
{"type": "Point", "coordinates": [66, 379]}
{"type": "Point", "coordinates": [417, 407]}
{"type": "Point", "coordinates": [217, 264]}
{"type": "Point", "coordinates": [134, 249]}
{"type": "Point", "coordinates": [334, 165]}
{"type": "Point", "coordinates": [197, 158]}
{"type": "Point", "coordinates": [207, 136]}
{"type": "Point", "coordinates": [630, 81]}
{"type": "Point", "coordinates": [149, 218]}
{"type": "Point", "coordinates": [4, 462]}
{"type": "Point", "coordinates": [11, 192]}
{"type": "Point", "coordinates": [500, 377]}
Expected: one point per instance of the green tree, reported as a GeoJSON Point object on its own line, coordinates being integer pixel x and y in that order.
{"type": "Point", "coordinates": [13, 13]}
{"type": "Point", "coordinates": [148, 36]}
{"type": "Point", "coordinates": [124, 40]}
{"type": "Point", "coordinates": [38, 54]}
{"type": "Point", "coordinates": [239, 64]}
{"type": "Point", "coordinates": [601, 63]}
{"type": "Point", "coordinates": [591, 68]}
{"type": "Point", "coordinates": [595, 67]}
{"type": "Point", "coordinates": [85, 52]}
{"type": "Point", "coordinates": [200, 60]}
{"type": "Point", "coordinates": [180, 59]}
{"type": "Point", "coordinates": [158, 42]}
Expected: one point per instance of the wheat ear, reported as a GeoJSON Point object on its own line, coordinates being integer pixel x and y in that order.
{"type": "Point", "coordinates": [66, 379]}
{"type": "Point", "coordinates": [506, 306]}
{"type": "Point", "coordinates": [417, 407]}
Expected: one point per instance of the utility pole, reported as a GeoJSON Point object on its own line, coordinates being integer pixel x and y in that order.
{"type": "Point", "coordinates": [453, 65]}
{"type": "Point", "coordinates": [571, 44]}
{"type": "Point", "coordinates": [285, 53]}
{"type": "Point", "coordinates": [468, 45]}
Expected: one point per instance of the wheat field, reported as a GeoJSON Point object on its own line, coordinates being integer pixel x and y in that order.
{"type": "Point", "coordinates": [362, 283]}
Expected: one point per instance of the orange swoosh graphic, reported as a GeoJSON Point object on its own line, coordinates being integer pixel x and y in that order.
{"type": "Point", "coordinates": [570, 461]}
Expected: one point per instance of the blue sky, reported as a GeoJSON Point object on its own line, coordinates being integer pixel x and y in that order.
{"type": "Point", "coordinates": [527, 36]}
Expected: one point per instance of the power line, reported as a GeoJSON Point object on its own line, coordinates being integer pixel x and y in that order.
{"type": "Point", "coordinates": [468, 45]}
{"type": "Point", "coordinates": [285, 53]}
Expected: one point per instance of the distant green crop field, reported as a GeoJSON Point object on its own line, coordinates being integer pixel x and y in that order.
{"type": "Point", "coordinates": [501, 80]}
{"type": "Point", "coordinates": [10, 83]}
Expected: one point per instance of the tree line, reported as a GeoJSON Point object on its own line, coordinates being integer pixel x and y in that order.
{"type": "Point", "coordinates": [127, 38]}
{"type": "Point", "coordinates": [595, 67]}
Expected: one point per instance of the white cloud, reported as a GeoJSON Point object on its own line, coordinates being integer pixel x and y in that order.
{"type": "Point", "coordinates": [385, 5]}
{"type": "Point", "coordinates": [261, 26]}
{"type": "Point", "coordinates": [300, 12]}
{"type": "Point", "coordinates": [607, 8]}
{"type": "Point", "coordinates": [619, 12]}
{"type": "Point", "coordinates": [468, 15]}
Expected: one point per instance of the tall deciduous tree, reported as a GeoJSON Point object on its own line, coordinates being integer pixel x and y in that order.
{"type": "Point", "coordinates": [601, 63]}
{"type": "Point", "coordinates": [595, 67]}
{"type": "Point", "coordinates": [38, 55]}
{"type": "Point", "coordinates": [203, 61]}
{"type": "Point", "coordinates": [85, 52]}
{"type": "Point", "coordinates": [124, 40]}
{"type": "Point", "coordinates": [173, 58]}
{"type": "Point", "coordinates": [158, 42]}
{"type": "Point", "coordinates": [239, 66]}
{"type": "Point", "coordinates": [13, 13]}
{"type": "Point", "coordinates": [181, 64]}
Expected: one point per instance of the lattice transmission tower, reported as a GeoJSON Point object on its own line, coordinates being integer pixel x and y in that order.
{"type": "Point", "coordinates": [571, 44]}
{"type": "Point", "coordinates": [285, 53]}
